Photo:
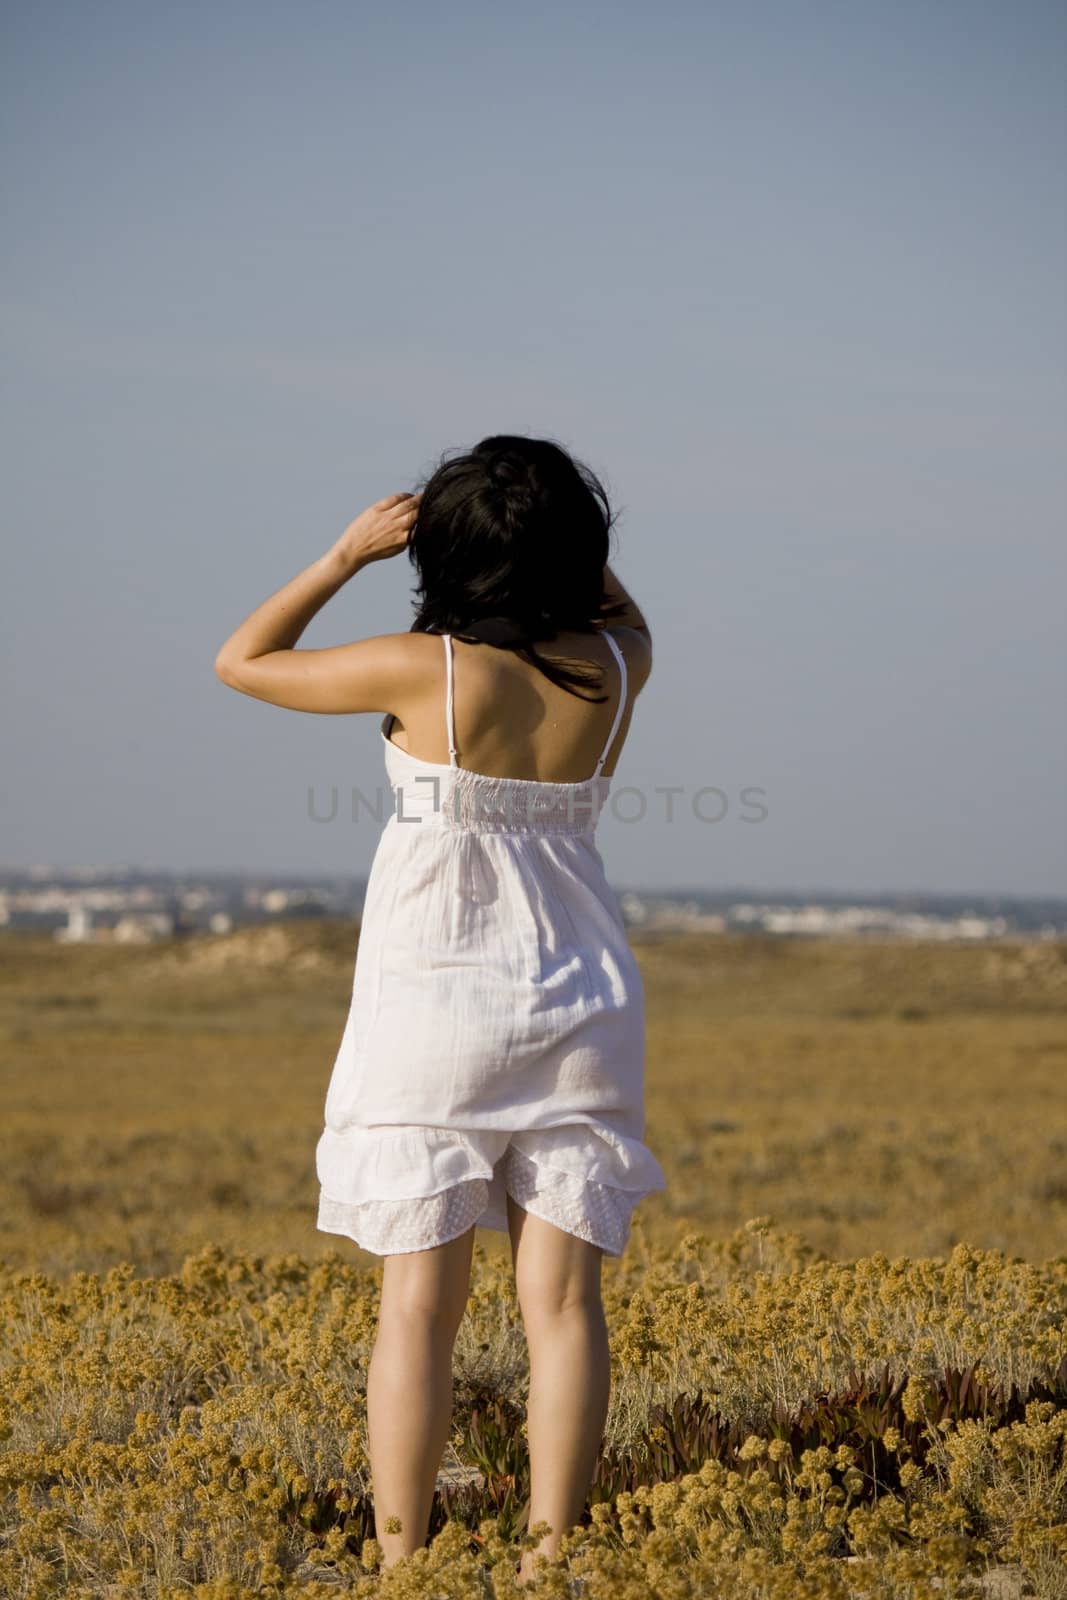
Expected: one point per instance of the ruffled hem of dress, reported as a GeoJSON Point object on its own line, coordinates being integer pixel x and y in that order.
{"type": "Point", "coordinates": [599, 1213]}
{"type": "Point", "coordinates": [389, 1162]}
{"type": "Point", "coordinates": [393, 1227]}
{"type": "Point", "coordinates": [401, 1161]}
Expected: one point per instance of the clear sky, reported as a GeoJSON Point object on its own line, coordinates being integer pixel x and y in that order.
{"type": "Point", "coordinates": [789, 277]}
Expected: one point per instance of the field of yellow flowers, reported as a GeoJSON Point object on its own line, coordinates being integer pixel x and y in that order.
{"type": "Point", "coordinates": [839, 1338]}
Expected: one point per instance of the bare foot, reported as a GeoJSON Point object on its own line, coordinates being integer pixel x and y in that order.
{"type": "Point", "coordinates": [524, 1572]}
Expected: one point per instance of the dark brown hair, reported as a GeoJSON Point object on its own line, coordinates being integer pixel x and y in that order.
{"type": "Point", "coordinates": [510, 545]}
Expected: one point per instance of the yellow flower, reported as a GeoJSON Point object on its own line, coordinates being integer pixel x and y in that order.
{"type": "Point", "coordinates": [913, 1400]}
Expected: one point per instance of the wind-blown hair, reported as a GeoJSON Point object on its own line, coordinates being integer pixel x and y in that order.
{"type": "Point", "coordinates": [509, 546]}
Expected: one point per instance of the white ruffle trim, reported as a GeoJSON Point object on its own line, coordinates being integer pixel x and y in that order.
{"type": "Point", "coordinates": [600, 1213]}
{"type": "Point", "coordinates": [391, 1227]}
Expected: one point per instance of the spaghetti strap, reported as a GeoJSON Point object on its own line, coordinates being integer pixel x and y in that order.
{"type": "Point", "coordinates": [450, 723]}
{"type": "Point", "coordinates": [450, 719]}
{"type": "Point", "coordinates": [620, 658]}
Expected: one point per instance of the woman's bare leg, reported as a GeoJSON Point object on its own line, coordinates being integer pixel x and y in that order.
{"type": "Point", "coordinates": [557, 1280]}
{"type": "Point", "coordinates": [409, 1385]}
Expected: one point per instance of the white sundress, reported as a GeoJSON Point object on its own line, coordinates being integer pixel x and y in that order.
{"type": "Point", "coordinates": [495, 1040]}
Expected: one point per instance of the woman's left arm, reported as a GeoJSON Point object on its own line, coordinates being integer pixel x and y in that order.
{"type": "Point", "coordinates": [258, 659]}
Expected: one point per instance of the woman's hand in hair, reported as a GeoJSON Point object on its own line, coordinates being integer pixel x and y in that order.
{"type": "Point", "coordinates": [381, 531]}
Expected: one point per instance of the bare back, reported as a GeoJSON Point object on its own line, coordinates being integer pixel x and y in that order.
{"type": "Point", "coordinates": [513, 722]}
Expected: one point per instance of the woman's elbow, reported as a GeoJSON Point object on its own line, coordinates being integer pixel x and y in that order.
{"type": "Point", "coordinates": [225, 669]}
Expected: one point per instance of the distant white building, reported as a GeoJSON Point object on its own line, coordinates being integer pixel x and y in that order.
{"type": "Point", "coordinates": [79, 925]}
{"type": "Point", "coordinates": [299, 900]}
{"type": "Point", "coordinates": [633, 908]}
{"type": "Point", "coordinates": [140, 927]}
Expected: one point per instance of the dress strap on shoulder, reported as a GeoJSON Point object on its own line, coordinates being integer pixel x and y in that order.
{"type": "Point", "coordinates": [450, 723]}
{"type": "Point", "coordinates": [621, 659]}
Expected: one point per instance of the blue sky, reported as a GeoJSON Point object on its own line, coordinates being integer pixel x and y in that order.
{"type": "Point", "coordinates": [789, 277]}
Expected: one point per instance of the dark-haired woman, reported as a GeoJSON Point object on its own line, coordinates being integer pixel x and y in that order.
{"type": "Point", "coordinates": [491, 1069]}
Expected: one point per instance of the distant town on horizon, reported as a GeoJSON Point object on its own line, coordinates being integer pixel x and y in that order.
{"type": "Point", "coordinates": [126, 903]}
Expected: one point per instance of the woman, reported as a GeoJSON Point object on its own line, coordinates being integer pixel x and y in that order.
{"type": "Point", "coordinates": [491, 1067]}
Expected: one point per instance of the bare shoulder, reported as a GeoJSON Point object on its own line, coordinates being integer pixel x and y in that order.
{"type": "Point", "coordinates": [406, 659]}
{"type": "Point", "coordinates": [636, 646]}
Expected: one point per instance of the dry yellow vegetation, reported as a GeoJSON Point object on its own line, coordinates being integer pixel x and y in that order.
{"type": "Point", "coordinates": [839, 1337]}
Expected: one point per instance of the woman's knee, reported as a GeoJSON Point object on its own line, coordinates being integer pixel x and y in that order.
{"type": "Point", "coordinates": [556, 1273]}
{"type": "Point", "coordinates": [428, 1286]}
